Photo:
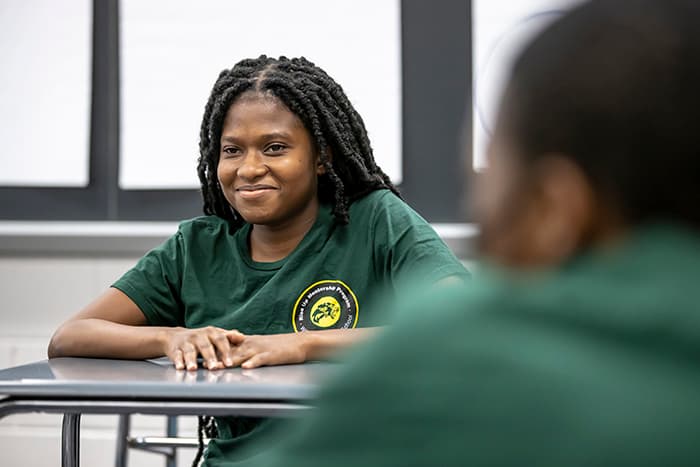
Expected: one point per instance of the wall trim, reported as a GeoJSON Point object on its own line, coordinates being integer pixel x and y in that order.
{"type": "Point", "coordinates": [110, 238]}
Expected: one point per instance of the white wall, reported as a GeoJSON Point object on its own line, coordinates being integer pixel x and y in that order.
{"type": "Point", "coordinates": [38, 293]}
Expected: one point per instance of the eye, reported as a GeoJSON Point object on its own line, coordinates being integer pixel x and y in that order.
{"type": "Point", "coordinates": [275, 148]}
{"type": "Point", "coordinates": [230, 151]}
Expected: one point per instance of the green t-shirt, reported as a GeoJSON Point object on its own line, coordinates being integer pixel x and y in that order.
{"type": "Point", "coordinates": [595, 364]}
{"type": "Point", "coordinates": [204, 275]}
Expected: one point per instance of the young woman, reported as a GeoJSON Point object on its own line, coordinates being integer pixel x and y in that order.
{"type": "Point", "coordinates": [302, 230]}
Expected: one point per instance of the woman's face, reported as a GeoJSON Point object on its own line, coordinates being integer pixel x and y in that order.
{"type": "Point", "coordinates": [268, 165]}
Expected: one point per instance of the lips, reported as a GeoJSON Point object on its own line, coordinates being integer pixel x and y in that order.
{"type": "Point", "coordinates": [254, 191]}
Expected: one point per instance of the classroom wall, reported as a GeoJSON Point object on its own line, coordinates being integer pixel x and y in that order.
{"type": "Point", "coordinates": [39, 291]}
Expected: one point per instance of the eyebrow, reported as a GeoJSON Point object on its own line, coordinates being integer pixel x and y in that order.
{"type": "Point", "coordinates": [266, 136]}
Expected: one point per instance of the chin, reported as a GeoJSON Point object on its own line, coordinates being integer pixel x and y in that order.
{"type": "Point", "coordinates": [259, 218]}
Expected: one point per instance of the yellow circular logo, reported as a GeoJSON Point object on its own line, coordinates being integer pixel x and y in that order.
{"type": "Point", "coordinates": [325, 312]}
{"type": "Point", "coordinates": [325, 304]}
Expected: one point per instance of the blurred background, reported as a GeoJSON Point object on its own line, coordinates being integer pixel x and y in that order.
{"type": "Point", "coordinates": [101, 103]}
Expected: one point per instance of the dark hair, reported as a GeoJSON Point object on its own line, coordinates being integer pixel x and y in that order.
{"type": "Point", "coordinates": [615, 86]}
{"type": "Point", "coordinates": [206, 426]}
{"type": "Point", "coordinates": [327, 114]}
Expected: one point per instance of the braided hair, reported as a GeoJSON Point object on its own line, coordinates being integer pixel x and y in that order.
{"type": "Point", "coordinates": [206, 427]}
{"type": "Point", "coordinates": [327, 114]}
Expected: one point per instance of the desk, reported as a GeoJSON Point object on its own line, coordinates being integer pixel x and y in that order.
{"type": "Point", "coordinates": [75, 386]}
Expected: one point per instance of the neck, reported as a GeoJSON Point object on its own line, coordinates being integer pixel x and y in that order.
{"type": "Point", "coordinates": [273, 243]}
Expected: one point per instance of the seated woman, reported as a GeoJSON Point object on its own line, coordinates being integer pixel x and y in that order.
{"type": "Point", "coordinates": [301, 231]}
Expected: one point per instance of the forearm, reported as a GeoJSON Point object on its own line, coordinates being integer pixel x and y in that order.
{"type": "Point", "coordinates": [323, 344]}
{"type": "Point", "coordinates": [94, 337]}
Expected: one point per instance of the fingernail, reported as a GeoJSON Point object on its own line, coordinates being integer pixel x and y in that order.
{"type": "Point", "coordinates": [229, 362]}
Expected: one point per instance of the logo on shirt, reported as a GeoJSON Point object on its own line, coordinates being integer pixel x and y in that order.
{"type": "Point", "coordinates": [328, 304]}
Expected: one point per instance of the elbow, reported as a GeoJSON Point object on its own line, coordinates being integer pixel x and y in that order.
{"type": "Point", "coordinates": [56, 345]}
{"type": "Point", "coordinates": [51, 351]}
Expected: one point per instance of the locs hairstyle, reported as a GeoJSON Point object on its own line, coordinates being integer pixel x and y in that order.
{"type": "Point", "coordinates": [336, 128]}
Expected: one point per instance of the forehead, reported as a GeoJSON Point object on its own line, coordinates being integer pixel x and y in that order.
{"type": "Point", "coordinates": [260, 112]}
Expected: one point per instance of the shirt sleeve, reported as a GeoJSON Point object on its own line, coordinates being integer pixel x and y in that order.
{"type": "Point", "coordinates": [155, 282]}
{"type": "Point", "coordinates": [408, 247]}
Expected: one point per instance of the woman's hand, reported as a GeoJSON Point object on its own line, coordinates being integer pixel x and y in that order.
{"type": "Point", "coordinates": [273, 349]}
{"type": "Point", "coordinates": [221, 348]}
{"type": "Point", "coordinates": [281, 349]}
{"type": "Point", "coordinates": [216, 346]}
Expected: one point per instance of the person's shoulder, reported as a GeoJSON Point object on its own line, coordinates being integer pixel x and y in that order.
{"type": "Point", "coordinates": [434, 310]}
{"type": "Point", "coordinates": [203, 225]}
{"type": "Point", "coordinates": [376, 199]}
{"type": "Point", "coordinates": [203, 222]}
{"type": "Point", "coordinates": [382, 205]}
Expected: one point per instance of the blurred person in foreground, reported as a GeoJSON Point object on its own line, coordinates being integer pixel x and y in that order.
{"type": "Point", "coordinates": [579, 344]}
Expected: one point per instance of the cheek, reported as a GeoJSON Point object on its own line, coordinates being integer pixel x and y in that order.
{"type": "Point", "coordinates": [500, 209]}
{"type": "Point", "coordinates": [491, 195]}
{"type": "Point", "coordinates": [297, 170]}
{"type": "Point", "coordinates": [225, 175]}
{"type": "Point", "coordinates": [224, 172]}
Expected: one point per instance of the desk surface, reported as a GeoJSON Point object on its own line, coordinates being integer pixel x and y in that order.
{"type": "Point", "coordinates": [74, 386]}
{"type": "Point", "coordinates": [103, 378]}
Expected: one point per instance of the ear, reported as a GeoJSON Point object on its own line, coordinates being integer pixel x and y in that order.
{"type": "Point", "coordinates": [320, 167]}
{"type": "Point", "coordinates": [563, 211]}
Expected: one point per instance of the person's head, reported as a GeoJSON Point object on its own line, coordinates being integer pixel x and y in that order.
{"type": "Point", "coordinates": [300, 135]}
{"type": "Point", "coordinates": [597, 132]}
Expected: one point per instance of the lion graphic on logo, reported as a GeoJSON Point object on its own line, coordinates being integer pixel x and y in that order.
{"type": "Point", "coordinates": [325, 312]}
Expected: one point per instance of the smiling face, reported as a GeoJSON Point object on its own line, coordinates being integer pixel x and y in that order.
{"type": "Point", "coordinates": [268, 165]}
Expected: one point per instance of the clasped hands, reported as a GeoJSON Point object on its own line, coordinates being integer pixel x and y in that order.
{"type": "Point", "coordinates": [222, 348]}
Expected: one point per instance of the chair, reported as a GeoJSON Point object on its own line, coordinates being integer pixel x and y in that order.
{"type": "Point", "coordinates": [167, 445]}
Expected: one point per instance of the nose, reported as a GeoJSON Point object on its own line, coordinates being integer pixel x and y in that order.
{"type": "Point", "coordinates": [252, 166]}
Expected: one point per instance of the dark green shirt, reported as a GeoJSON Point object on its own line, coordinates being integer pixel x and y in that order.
{"type": "Point", "coordinates": [204, 275]}
{"type": "Point", "coordinates": [596, 364]}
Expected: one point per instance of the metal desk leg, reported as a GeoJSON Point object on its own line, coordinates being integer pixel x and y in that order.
{"type": "Point", "coordinates": [70, 454]}
{"type": "Point", "coordinates": [171, 432]}
{"type": "Point", "coordinates": [123, 430]}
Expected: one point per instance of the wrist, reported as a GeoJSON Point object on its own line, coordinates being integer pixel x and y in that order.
{"type": "Point", "coordinates": [163, 336]}
{"type": "Point", "coordinates": [309, 345]}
